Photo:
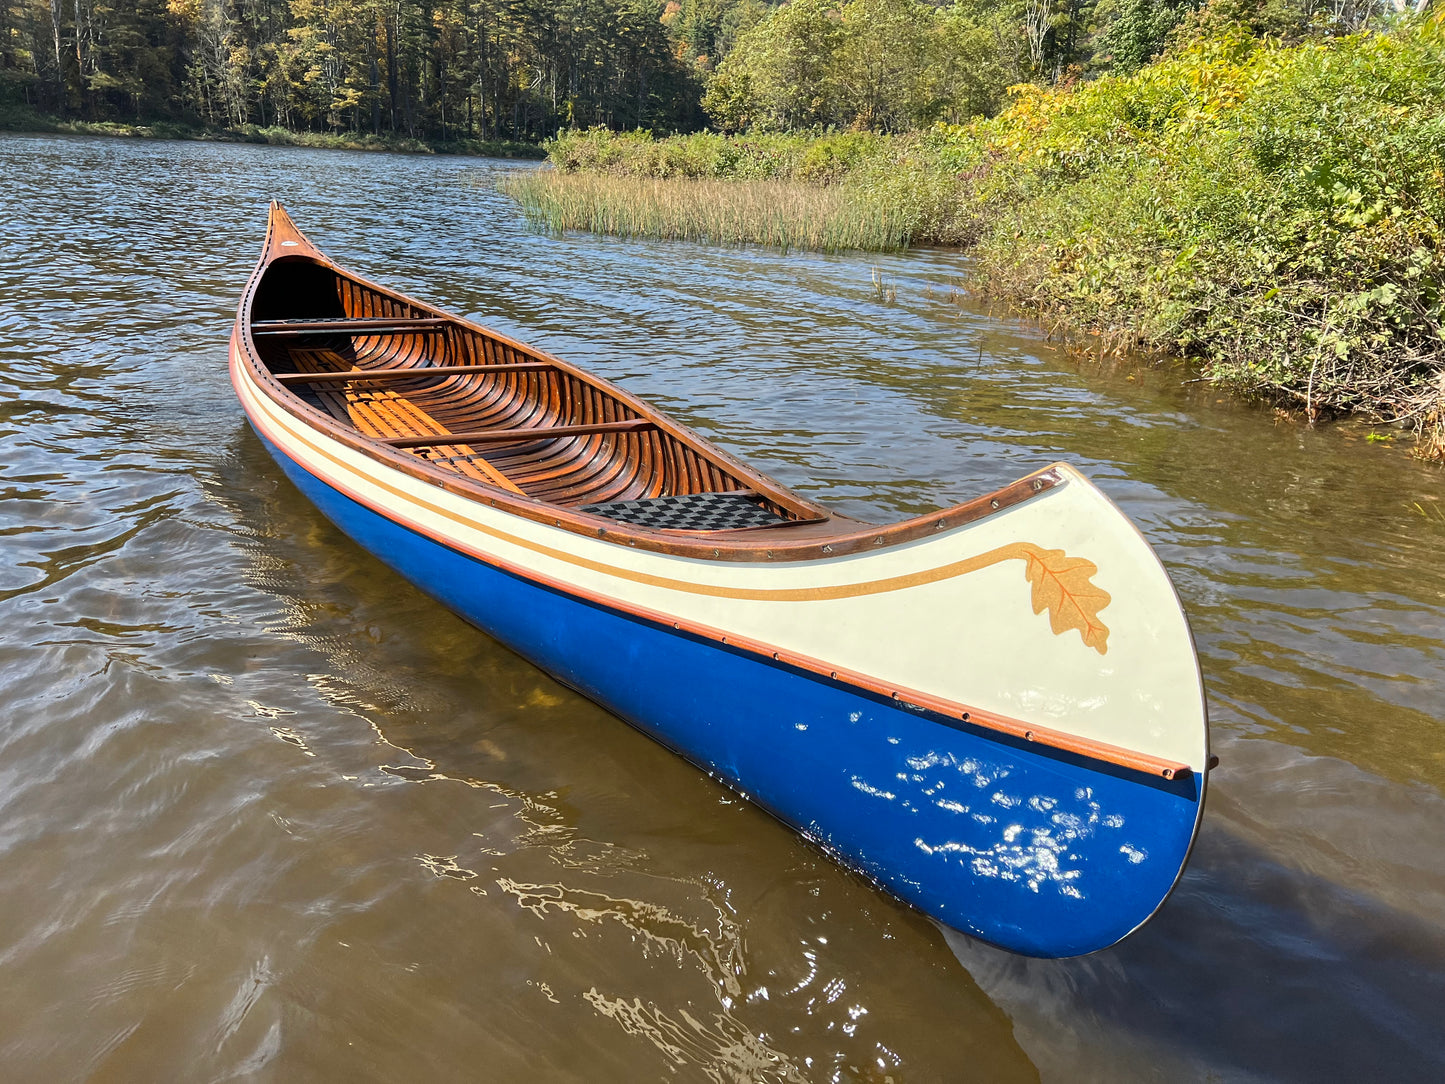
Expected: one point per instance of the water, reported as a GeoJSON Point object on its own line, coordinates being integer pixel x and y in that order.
{"type": "Point", "coordinates": [267, 812]}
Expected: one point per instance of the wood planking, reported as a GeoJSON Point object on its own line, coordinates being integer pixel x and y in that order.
{"type": "Point", "coordinates": [381, 412]}
{"type": "Point", "coordinates": [530, 392]}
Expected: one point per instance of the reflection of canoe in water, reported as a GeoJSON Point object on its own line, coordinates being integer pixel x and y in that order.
{"type": "Point", "coordinates": [994, 710]}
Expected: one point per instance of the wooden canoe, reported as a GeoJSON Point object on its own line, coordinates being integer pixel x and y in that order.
{"type": "Point", "coordinates": [995, 710]}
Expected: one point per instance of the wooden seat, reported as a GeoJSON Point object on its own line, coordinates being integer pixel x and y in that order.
{"type": "Point", "coordinates": [381, 412]}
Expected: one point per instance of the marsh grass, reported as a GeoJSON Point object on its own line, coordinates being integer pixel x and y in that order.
{"type": "Point", "coordinates": [778, 214]}
{"type": "Point", "coordinates": [884, 291]}
{"type": "Point", "coordinates": [1430, 513]}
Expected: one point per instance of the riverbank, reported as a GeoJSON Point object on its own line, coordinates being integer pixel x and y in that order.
{"type": "Point", "coordinates": [1274, 212]}
{"type": "Point", "coordinates": [20, 119]}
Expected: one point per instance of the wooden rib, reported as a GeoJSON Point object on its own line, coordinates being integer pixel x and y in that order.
{"type": "Point", "coordinates": [609, 485]}
{"type": "Point", "coordinates": [577, 472]}
{"type": "Point", "coordinates": [539, 464]}
{"type": "Point", "coordinates": [543, 465]}
{"type": "Point", "coordinates": [597, 469]}
{"type": "Point", "coordinates": [585, 469]}
{"type": "Point", "coordinates": [531, 432]}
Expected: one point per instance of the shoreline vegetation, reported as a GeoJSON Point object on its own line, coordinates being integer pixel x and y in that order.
{"type": "Point", "coordinates": [1275, 212]}
{"type": "Point", "coordinates": [1256, 185]}
{"type": "Point", "coordinates": [22, 121]}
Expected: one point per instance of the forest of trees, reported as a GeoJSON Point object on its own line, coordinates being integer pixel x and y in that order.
{"type": "Point", "coordinates": [435, 69]}
{"type": "Point", "coordinates": [524, 69]}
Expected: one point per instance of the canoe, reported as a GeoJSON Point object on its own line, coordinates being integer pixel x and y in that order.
{"type": "Point", "coordinates": [994, 711]}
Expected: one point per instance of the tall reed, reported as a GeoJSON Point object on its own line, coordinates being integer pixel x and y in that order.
{"type": "Point", "coordinates": [779, 214]}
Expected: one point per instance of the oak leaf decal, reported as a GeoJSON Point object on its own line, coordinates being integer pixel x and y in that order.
{"type": "Point", "coordinates": [1064, 586]}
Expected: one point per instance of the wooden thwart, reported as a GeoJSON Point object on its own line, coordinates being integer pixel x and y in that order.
{"type": "Point", "coordinates": [406, 371]}
{"type": "Point", "coordinates": [535, 432]}
{"type": "Point", "coordinates": [368, 325]}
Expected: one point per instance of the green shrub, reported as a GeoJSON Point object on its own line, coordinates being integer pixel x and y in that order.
{"type": "Point", "coordinates": [1276, 211]}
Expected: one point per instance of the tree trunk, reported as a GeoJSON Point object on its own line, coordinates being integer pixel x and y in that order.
{"type": "Point", "coordinates": [59, 63]}
{"type": "Point", "coordinates": [483, 67]}
{"type": "Point", "coordinates": [374, 81]}
{"type": "Point", "coordinates": [1036, 30]}
{"type": "Point", "coordinates": [393, 28]}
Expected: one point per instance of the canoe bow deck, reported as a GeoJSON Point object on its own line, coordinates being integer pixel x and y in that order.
{"type": "Point", "coordinates": [993, 710]}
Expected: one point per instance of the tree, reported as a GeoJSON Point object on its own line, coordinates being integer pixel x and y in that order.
{"type": "Point", "coordinates": [885, 65]}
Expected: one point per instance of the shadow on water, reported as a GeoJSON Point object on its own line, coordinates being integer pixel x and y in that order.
{"type": "Point", "coordinates": [1241, 976]}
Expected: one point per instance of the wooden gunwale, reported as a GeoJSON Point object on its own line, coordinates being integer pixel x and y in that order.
{"type": "Point", "coordinates": [820, 534]}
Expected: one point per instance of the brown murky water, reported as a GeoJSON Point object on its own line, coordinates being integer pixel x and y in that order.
{"type": "Point", "coordinates": [266, 812]}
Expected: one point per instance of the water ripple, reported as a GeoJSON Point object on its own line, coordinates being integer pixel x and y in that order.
{"type": "Point", "coordinates": [266, 810]}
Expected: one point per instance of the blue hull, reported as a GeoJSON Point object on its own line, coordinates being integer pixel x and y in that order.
{"type": "Point", "coordinates": [1037, 851]}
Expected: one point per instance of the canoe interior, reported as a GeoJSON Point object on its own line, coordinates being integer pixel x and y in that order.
{"type": "Point", "coordinates": [606, 448]}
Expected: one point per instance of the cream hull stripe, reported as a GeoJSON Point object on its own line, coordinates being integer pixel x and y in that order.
{"type": "Point", "coordinates": [970, 640]}
{"type": "Point", "coordinates": [1043, 735]}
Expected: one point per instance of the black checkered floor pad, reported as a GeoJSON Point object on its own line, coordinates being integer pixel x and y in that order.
{"type": "Point", "coordinates": [691, 512]}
